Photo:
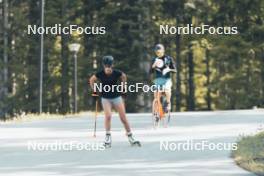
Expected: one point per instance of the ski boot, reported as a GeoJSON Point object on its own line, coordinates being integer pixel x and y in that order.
{"type": "Point", "coordinates": [108, 140]}
{"type": "Point", "coordinates": [132, 141]}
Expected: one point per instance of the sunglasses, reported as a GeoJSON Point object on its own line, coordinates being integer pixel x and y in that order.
{"type": "Point", "coordinates": [108, 66]}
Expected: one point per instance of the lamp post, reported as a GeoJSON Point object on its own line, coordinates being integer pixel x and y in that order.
{"type": "Point", "coordinates": [41, 56]}
{"type": "Point", "coordinates": [74, 47]}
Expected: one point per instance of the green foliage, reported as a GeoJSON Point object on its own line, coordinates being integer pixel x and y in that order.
{"type": "Point", "coordinates": [235, 78]}
{"type": "Point", "coordinates": [249, 154]}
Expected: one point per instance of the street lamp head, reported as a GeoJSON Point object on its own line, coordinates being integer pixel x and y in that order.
{"type": "Point", "coordinates": [74, 47]}
{"type": "Point", "coordinates": [94, 64]}
{"type": "Point", "coordinates": [189, 5]}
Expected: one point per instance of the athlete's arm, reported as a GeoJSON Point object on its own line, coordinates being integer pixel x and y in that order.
{"type": "Point", "coordinates": [123, 79]}
{"type": "Point", "coordinates": [153, 66]}
{"type": "Point", "coordinates": [92, 80]}
{"type": "Point", "coordinates": [172, 65]}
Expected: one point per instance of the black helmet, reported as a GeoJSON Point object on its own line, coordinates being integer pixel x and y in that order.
{"type": "Point", "coordinates": [159, 47]}
{"type": "Point", "coordinates": [108, 60]}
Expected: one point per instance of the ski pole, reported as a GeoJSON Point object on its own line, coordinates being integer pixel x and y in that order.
{"type": "Point", "coordinates": [95, 116]}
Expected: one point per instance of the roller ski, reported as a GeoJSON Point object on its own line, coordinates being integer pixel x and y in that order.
{"type": "Point", "coordinates": [132, 141]}
{"type": "Point", "coordinates": [108, 140]}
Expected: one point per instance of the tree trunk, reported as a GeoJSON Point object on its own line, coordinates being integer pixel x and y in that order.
{"type": "Point", "coordinates": [208, 98]}
{"type": "Point", "coordinates": [4, 72]}
{"type": "Point", "coordinates": [31, 94]}
{"type": "Point", "coordinates": [262, 76]}
{"type": "Point", "coordinates": [178, 74]}
{"type": "Point", "coordinates": [88, 49]}
{"type": "Point", "coordinates": [65, 65]}
{"type": "Point", "coordinates": [5, 56]}
{"type": "Point", "coordinates": [191, 97]}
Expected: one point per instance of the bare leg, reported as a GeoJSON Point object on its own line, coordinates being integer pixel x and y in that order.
{"type": "Point", "coordinates": [156, 95]}
{"type": "Point", "coordinates": [168, 95]}
{"type": "Point", "coordinates": [120, 108]}
{"type": "Point", "coordinates": [107, 111]}
{"type": "Point", "coordinates": [168, 98]}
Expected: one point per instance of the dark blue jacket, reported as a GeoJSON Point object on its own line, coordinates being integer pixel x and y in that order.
{"type": "Point", "coordinates": [168, 62]}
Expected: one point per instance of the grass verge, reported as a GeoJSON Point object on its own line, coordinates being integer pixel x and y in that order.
{"type": "Point", "coordinates": [250, 153]}
{"type": "Point", "coordinates": [32, 117]}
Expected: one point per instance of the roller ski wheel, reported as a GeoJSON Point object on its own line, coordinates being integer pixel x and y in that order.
{"type": "Point", "coordinates": [108, 140]}
{"type": "Point", "coordinates": [136, 144]}
{"type": "Point", "coordinates": [132, 141]}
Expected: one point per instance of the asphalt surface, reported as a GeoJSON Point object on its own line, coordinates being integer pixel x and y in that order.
{"type": "Point", "coordinates": [42, 147]}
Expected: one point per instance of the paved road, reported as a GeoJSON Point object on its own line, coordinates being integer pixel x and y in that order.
{"type": "Point", "coordinates": [18, 156]}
